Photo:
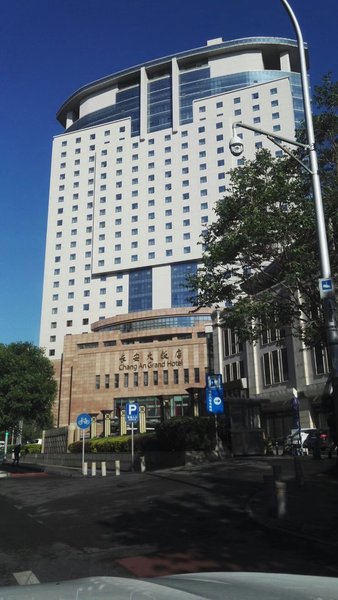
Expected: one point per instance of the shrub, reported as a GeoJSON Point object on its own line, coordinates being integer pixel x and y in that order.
{"type": "Point", "coordinates": [186, 433]}
{"type": "Point", "coordinates": [113, 444]}
{"type": "Point", "coordinates": [31, 449]}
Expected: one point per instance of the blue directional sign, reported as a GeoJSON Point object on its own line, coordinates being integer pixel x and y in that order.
{"type": "Point", "coordinates": [214, 394]}
{"type": "Point", "coordinates": [132, 412]}
{"type": "Point", "coordinates": [325, 287]}
{"type": "Point", "coordinates": [83, 421]}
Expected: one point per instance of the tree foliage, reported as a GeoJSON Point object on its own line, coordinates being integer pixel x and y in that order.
{"type": "Point", "coordinates": [261, 259]}
{"type": "Point", "coordinates": [27, 385]}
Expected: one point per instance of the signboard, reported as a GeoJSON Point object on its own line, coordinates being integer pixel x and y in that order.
{"type": "Point", "coordinates": [83, 421]}
{"type": "Point", "coordinates": [325, 287]}
{"type": "Point", "coordinates": [132, 412]}
{"type": "Point", "coordinates": [214, 394]}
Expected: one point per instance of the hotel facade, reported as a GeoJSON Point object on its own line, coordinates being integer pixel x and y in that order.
{"type": "Point", "coordinates": [135, 175]}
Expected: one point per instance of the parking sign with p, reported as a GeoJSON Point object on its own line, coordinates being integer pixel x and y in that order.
{"type": "Point", "coordinates": [132, 412]}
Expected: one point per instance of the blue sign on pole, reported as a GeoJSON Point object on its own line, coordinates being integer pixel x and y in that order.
{"type": "Point", "coordinates": [83, 421]}
{"type": "Point", "coordinates": [326, 287]}
{"type": "Point", "coordinates": [132, 412]}
{"type": "Point", "coordinates": [214, 394]}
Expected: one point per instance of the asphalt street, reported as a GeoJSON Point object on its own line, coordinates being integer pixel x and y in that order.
{"type": "Point", "coordinates": [142, 525]}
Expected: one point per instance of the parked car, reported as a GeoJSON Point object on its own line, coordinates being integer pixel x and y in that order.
{"type": "Point", "coordinates": [317, 438]}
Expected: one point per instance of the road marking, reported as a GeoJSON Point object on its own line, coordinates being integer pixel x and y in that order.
{"type": "Point", "coordinates": [26, 578]}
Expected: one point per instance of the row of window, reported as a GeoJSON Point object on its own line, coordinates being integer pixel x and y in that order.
{"type": "Point", "coordinates": [146, 378]}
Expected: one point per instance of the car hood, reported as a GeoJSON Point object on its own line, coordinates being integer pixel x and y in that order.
{"type": "Point", "coordinates": [192, 586]}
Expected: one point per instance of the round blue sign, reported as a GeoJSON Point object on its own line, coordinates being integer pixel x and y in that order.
{"type": "Point", "coordinates": [83, 421]}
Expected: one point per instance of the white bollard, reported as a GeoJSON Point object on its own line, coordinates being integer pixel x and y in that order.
{"type": "Point", "coordinates": [93, 469]}
{"type": "Point", "coordinates": [85, 468]}
{"type": "Point", "coordinates": [103, 469]}
{"type": "Point", "coordinates": [143, 463]}
{"type": "Point", "coordinates": [280, 499]}
{"type": "Point", "coordinates": [117, 467]}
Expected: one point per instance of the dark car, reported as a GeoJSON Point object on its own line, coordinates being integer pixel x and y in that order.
{"type": "Point", "coordinates": [317, 438]}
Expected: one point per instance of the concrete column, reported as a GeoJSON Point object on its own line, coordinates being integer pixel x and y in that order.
{"type": "Point", "coordinates": [70, 119]}
{"type": "Point", "coordinates": [175, 87]}
{"type": "Point", "coordinates": [93, 424]}
{"type": "Point", "coordinates": [143, 104]}
{"type": "Point", "coordinates": [123, 424]}
{"type": "Point", "coordinates": [142, 423]}
{"type": "Point", "coordinates": [285, 61]}
{"type": "Point", "coordinates": [106, 421]}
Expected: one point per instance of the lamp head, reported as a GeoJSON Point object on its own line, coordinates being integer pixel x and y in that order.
{"type": "Point", "coordinates": [236, 145]}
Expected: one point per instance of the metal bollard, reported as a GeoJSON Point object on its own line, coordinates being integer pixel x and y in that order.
{"type": "Point", "coordinates": [93, 469]}
{"type": "Point", "coordinates": [117, 467]}
{"type": "Point", "coordinates": [280, 499]}
{"type": "Point", "coordinates": [143, 463]}
{"type": "Point", "coordinates": [103, 469]}
{"type": "Point", "coordinates": [85, 468]}
{"type": "Point", "coordinates": [298, 471]}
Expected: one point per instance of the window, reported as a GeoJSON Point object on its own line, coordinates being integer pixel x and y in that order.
{"type": "Point", "coordinates": [196, 375]}
{"type": "Point", "coordinates": [176, 378]}
{"type": "Point", "coordinates": [116, 380]}
{"type": "Point", "coordinates": [275, 115]}
{"type": "Point", "coordinates": [186, 375]}
{"type": "Point", "coordinates": [275, 366]}
{"type": "Point", "coordinates": [155, 377]}
{"type": "Point", "coordinates": [273, 91]}
{"type": "Point", "coordinates": [237, 100]}
{"type": "Point", "coordinates": [97, 382]}
{"type": "Point", "coordinates": [126, 380]}
{"type": "Point", "coordinates": [106, 381]}
{"type": "Point", "coordinates": [255, 107]}
{"type": "Point", "coordinates": [255, 95]}
{"type": "Point", "coordinates": [135, 379]}
{"type": "Point", "coordinates": [145, 378]}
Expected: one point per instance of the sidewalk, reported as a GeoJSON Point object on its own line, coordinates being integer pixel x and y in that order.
{"type": "Point", "coordinates": [311, 506]}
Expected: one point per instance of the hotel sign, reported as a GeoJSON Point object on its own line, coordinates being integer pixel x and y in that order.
{"type": "Point", "coordinates": [146, 362]}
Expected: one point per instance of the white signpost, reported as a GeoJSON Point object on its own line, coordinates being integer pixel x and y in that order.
{"type": "Point", "coordinates": [132, 416]}
{"type": "Point", "coordinates": [83, 421]}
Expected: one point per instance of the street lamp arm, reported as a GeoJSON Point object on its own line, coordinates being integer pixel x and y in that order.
{"type": "Point", "coordinates": [270, 135]}
{"type": "Point", "coordinates": [289, 153]}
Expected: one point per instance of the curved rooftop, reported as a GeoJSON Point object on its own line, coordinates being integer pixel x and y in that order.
{"type": "Point", "coordinates": [271, 48]}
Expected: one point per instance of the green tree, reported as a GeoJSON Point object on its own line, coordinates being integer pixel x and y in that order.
{"type": "Point", "coordinates": [27, 385]}
{"type": "Point", "coordinates": [261, 253]}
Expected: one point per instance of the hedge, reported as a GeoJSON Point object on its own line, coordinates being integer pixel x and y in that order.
{"type": "Point", "coordinates": [176, 434]}
{"type": "Point", "coordinates": [31, 449]}
{"type": "Point", "coordinates": [114, 444]}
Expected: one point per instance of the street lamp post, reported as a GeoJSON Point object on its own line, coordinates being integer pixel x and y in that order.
{"type": "Point", "coordinates": [329, 300]}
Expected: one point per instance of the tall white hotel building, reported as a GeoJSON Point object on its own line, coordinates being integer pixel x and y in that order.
{"type": "Point", "coordinates": [136, 172]}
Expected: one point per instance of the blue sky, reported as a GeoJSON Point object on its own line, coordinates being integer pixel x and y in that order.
{"type": "Point", "coordinates": [50, 48]}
